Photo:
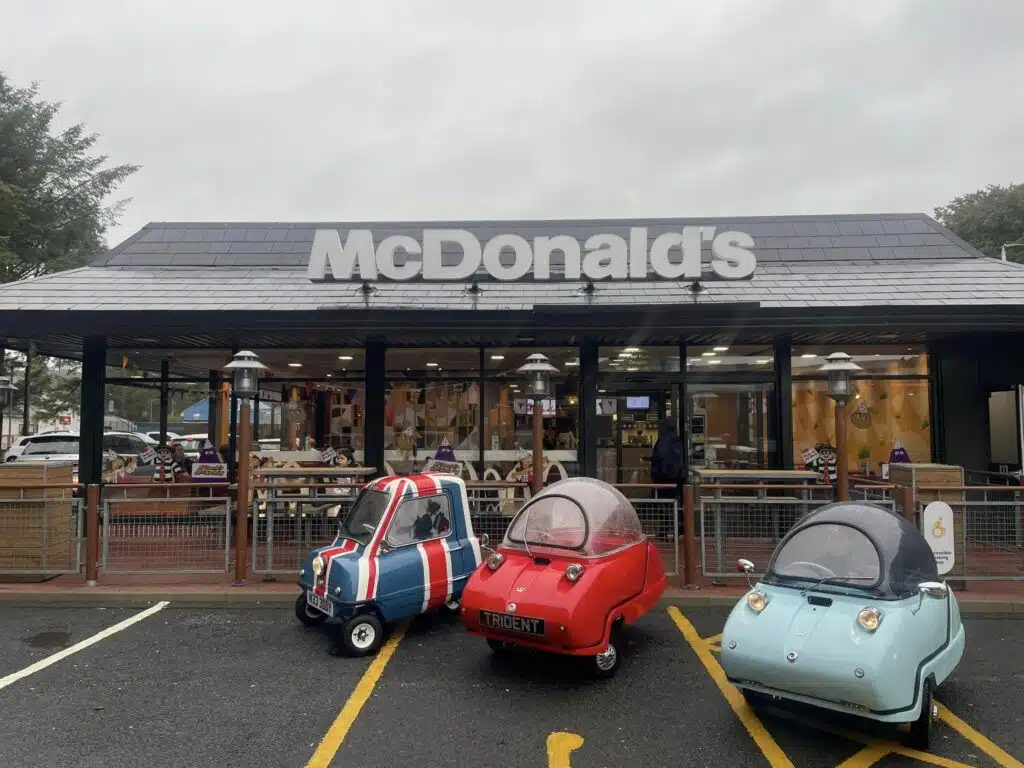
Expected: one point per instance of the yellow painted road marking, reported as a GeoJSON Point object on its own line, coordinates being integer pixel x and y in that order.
{"type": "Point", "coordinates": [769, 748]}
{"type": "Point", "coordinates": [1004, 759]}
{"type": "Point", "coordinates": [713, 640]}
{"type": "Point", "coordinates": [866, 757]}
{"type": "Point", "coordinates": [560, 746]}
{"type": "Point", "coordinates": [339, 729]}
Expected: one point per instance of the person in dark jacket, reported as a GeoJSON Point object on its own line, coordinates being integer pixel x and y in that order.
{"type": "Point", "coordinates": [667, 467]}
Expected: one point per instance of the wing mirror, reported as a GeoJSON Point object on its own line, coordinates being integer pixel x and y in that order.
{"type": "Point", "coordinates": [484, 540]}
{"type": "Point", "coordinates": [934, 589]}
{"type": "Point", "coordinates": [747, 567]}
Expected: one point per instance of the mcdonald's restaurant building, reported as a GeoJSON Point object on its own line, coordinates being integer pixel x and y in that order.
{"type": "Point", "coordinates": [397, 338]}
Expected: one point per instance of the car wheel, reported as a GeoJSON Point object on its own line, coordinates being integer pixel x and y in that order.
{"type": "Point", "coordinates": [498, 646]}
{"type": "Point", "coordinates": [921, 729]}
{"type": "Point", "coordinates": [607, 663]}
{"type": "Point", "coordinates": [307, 614]}
{"type": "Point", "coordinates": [361, 635]}
{"type": "Point", "coordinates": [451, 608]}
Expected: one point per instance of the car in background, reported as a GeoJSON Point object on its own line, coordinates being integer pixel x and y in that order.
{"type": "Point", "coordinates": [155, 435]}
{"type": "Point", "coordinates": [192, 443]}
{"type": "Point", "coordinates": [18, 446]}
{"type": "Point", "coordinates": [63, 446]}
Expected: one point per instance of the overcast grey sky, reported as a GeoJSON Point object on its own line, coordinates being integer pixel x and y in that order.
{"type": "Point", "coordinates": [461, 109]}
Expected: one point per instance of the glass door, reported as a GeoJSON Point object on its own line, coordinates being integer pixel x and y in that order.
{"type": "Point", "coordinates": [627, 428]}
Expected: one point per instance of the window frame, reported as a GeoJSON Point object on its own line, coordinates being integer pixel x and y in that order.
{"type": "Point", "coordinates": [394, 518]}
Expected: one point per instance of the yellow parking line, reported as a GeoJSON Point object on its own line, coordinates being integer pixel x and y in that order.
{"type": "Point", "coordinates": [339, 729]}
{"type": "Point", "coordinates": [866, 757]}
{"type": "Point", "coordinates": [1004, 759]}
{"type": "Point", "coordinates": [713, 640]}
{"type": "Point", "coordinates": [769, 748]}
{"type": "Point", "coordinates": [560, 745]}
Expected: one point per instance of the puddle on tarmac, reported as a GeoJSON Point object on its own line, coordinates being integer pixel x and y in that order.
{"type": "Point", "coordinates": [49, 640]}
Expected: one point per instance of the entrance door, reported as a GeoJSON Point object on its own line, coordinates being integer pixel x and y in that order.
{"type": "Point", "coordinates": [1006, 430]}
{"type": "Point", "coordinates": [627, 428]}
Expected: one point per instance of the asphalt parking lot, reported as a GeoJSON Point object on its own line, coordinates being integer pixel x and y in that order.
{"type": "Point", "coordinates": [251, 687]}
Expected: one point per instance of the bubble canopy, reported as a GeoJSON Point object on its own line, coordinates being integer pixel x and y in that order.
{"type": "Point", "coordinates": [581, 516]}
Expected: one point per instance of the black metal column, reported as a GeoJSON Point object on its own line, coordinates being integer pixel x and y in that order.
{"type": "Point", "coordinates": [90, 443]}
{"type": "Point", "coordinates": [256, 417]}
{"type": "Point", "coordinates": [683, 417]}
{"type": "Point", "coordinates": [935, 399]}
{"type": "Point", "coordinates": [587, 443]}
{"type": "Point", "coordinates": [165, 397]}
{"type": "Point", "coordinates": [26, 414]}
{"type": "Point", "coordinates": [373, 429]}
{"type": "Point", "coordinates": [233, 428]}
{"type": "Point", "coordinates": [783, 403]}
{"type": "Point", "coordinates": [482, 420]}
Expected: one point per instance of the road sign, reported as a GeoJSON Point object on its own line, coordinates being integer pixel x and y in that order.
{"type": "Point", "coordinates": [937, 526]}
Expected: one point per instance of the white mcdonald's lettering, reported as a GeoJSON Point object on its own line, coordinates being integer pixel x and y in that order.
{"type": "Point", "coordinates": [606, 256]}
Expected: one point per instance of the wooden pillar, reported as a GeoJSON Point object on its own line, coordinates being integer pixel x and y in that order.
{"type": "Point", "coordinates": [842, 460]}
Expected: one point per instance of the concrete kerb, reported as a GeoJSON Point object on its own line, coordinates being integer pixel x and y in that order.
{"type": "Point", "coordinates": [255, 598]}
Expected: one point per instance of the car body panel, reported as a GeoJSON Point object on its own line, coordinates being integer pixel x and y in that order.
{"type": "Point", "coordinates": [807, 644]}
{"type": "Point", "coordinates": [403, 581]}
{"type": "Point", "coordinates": [623, 582]}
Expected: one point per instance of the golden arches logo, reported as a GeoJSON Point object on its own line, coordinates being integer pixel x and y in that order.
{"type": "Point", "coordinates": [938, 529]}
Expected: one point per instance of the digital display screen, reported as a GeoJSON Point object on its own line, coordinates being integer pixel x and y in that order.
{"type": "Point", "coordinates": [638, 403]}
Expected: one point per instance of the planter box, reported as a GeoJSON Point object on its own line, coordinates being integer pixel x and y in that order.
{"type": "Point", "coordinates": [36, 524]}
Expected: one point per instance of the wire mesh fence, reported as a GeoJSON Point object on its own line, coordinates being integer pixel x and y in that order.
{"type": "Point", "coordinates": [178, 529]}
{"type": "Point", "coordinates": [287, 525]}
{"type": "Point", "coordinates": [748, 527]}
{"type": "Point", "coordinates": [875, 494]}
{"type": "Point", "coordinates": [41, 536]}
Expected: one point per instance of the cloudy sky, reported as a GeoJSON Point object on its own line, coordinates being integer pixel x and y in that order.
{"type": "Point", "coordinates": [459, 109]}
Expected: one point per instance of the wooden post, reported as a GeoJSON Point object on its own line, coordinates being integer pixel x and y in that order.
{"type": "Point", "coordinates": [689, 536]}
{"type": "Point", "coordinates": [242, 494]}
{"type": "Point", "coordinates": [842, 479]}
{"type": "Point", "coordinates": [538, 445]}
{"type": "Point", "coordinates": [92, 534]}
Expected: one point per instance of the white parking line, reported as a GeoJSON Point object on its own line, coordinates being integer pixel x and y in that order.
{"type": "Point", "coordinates": [49, 660]}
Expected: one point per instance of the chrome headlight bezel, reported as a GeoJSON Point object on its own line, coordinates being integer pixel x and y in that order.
{"type": "Point", "coordinates": [757, 601]}
{"type": "Point", "coordinates": [318, 565]}
{"type": "Point", "coordinates": [869, 619]}
{"type": "Point", "coordinates": [494, 560]}
{"type": "Point", "coordinates": [574, 571]}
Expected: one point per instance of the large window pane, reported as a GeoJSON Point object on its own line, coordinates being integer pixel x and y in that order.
{"type": "Point", "coordinates": [422, 416]}
{"type": "Point", "coordinates": [881, 413]}
{"type": "Point", "coordinates": [638, 359]}
{"type": "Point", "coordinates": [727, 426]}
{"type": "Point", "coordinates": [508, 432]}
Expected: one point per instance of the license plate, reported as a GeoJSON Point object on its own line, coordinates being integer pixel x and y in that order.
{"type": "Point", "coordinates": [510, 623]}
{"type": "Point", "coordinates": [322, 604]}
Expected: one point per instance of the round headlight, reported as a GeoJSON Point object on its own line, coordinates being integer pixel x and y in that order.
{"type": "Point", "coordinates": [573, 572]}
{"type": "Point", "coordinates": [318, 565]}
{"type": "Point", "coordinates": [495, 560]}
{"type": "Point", "coordinates": [757, 601]}
{"type": "Point", "coordinates": [869, 618]}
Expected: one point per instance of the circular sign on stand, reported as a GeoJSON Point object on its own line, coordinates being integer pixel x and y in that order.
{"type": "Point", "coordinates": [937, 527]}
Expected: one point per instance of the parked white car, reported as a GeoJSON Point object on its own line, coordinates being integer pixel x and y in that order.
{"type": "Point", "coordinates": [155, 435]}
{"type": "Point", "coordinates": [63, 446]}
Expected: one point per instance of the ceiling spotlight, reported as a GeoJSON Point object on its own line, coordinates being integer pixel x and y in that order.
{"type": "Point", "coordinates": [714, 362]}
{"type": "Point", "coordinates": [294, 365]}
{"type": "Point", "coordinates": [721, 349]}
{"type": "Point", "coordinates": [762, 362]}
{"type": "Point", "coordinates": [344, 357]}
{"type": "Point", "coordinates": [707, 354]}
{"type": "Point", "coordinates": [497, 357]}
{"type": "Point", "coordinates": [431, 365]}
{"type": "Point", "coordinates": [808, 355]}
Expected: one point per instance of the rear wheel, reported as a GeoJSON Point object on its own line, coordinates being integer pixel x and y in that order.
{"type": "Point", "coordinates": [307, 614]}
{"type": "Point", "coordinates": [607, 662]}
{"type": "Point", "coordinates": [921, 729]}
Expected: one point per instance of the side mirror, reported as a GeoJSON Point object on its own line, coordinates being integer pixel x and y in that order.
{"type": "Point", "coordinates": [935, 589]}
{"type": "Point", "coordinates": [484, 539]}
{"type": "Point", "coordinates": [744, 566]}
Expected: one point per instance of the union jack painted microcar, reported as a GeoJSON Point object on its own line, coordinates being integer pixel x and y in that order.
{"type": "Point", "coordinates": [850, 616]}
{"type": "Point", "coordinates": [405, 547]}
{"type": "Point", "coordinates": [573, 569]}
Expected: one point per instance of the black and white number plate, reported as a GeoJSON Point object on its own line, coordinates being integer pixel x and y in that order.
{"type": "Point", "coordinates": [510, 623]}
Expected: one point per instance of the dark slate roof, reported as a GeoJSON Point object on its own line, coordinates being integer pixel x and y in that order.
{"type": "Point", "coordinates": [803, 261]}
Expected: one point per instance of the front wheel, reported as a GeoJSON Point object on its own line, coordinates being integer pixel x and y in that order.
{"type": "Point", "coordinates": [921, 729]}
{"type": "Point", "coordinates": [361, 635]}
{"type": "Point", "coordinates": [307, 614]}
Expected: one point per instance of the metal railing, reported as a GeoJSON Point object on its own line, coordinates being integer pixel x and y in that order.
{"type": "Point", "coordinates": [165, 528]}
{"type": "Point", "coordinates": [42, 530]}
{"type": "Point", "coordinates": [988, 530]}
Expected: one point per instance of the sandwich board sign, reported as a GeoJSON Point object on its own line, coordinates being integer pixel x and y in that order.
{"type": "Point", "coordinates": [937, 526]}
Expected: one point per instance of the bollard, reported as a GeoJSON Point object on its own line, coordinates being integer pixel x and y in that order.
{"type": "Point", "coordinates": [905, 494]}
{"type": "Point", "coordinates": [92, 534]}
{"type": "Point", "coordinates": [689, 537]}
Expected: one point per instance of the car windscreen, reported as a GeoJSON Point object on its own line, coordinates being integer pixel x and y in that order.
{"type": "Point", "coordinates": [365, 515]}
{"type": "Point", "coordinates": [51, 445]}
{"type": "Point", "coordinates": [829, 551]}
{"type": "Point", "coordinates": [550, 521]}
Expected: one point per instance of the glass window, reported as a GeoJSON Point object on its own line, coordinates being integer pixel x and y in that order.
{"type": "Point", "coordinates": [51, 445]}
{"type": "Point", "coordinates": [719, 358]}
{"type": "Point", "coordinates": [365, 515]}
{"type": "Point", "coordinates": [903, 360]}
{"type": "Point", "coordinates": [117, 443]}
{"type": "Point", "coordinates": [551, 521]}
{"type": "Point", "coordinates": [728, 426]}
{"type": "Point", "coordinates": [888, 420]}
{"type": "Point", "coordinates": [638, 359]}
{"type": "Point", "coordinates": [420, 519]}
{"type": "Point", "coordinates": [508, 424]}
{"type": "Point", "coordinates": [423, 418]}
{"type": "Point", "coordinates": [831, 551]}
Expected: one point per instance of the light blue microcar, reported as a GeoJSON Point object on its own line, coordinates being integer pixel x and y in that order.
{"type": "Point", "coordinates": [850, 616]}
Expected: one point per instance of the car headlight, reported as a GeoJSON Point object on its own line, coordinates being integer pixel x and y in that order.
{"type": "Point", "coordinates": [757, 600]}
{"type": "Point", "coordinates": [318, 565]}
{"type": "Point", "coordinates": [869, 619]}
{"type": "Point", "coordinates": [495, 560]}
{"type": "Point", "coordinates": [573, 572]}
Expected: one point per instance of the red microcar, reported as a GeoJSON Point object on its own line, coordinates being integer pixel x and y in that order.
{"type": "Point", "coordinates": [573, 569]}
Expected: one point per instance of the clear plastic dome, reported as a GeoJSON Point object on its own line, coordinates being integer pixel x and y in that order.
{"type": "Point", "coordinates": [581, 515]}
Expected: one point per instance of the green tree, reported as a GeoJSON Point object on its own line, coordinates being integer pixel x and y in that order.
{"type": "Point", "coordinates": [988, 219]}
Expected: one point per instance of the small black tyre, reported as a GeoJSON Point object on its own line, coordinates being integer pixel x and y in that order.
{"type": "Point", "coordinates": [362, 635]}
{"type": "Point", "coordinates": [605, 664]}
{"type": "Point", "coordinates": [921, 729]}
{"type": "Point", "coordinates": [307, 614]}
